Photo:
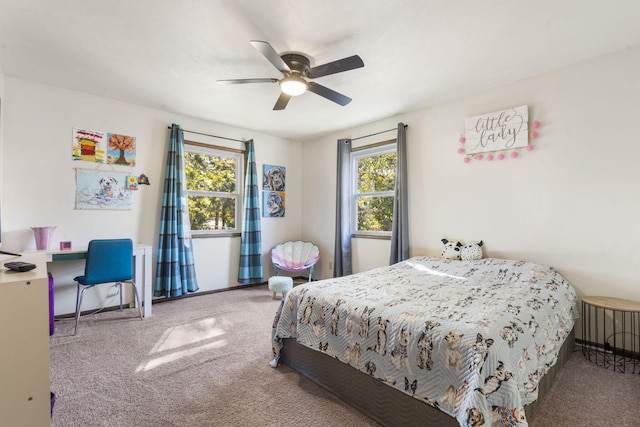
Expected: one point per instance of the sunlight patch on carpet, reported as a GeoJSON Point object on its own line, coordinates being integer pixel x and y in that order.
{"type": "Point", "coordinates": [190, 333]}
{"type": "Point", "coordinates": [184, 336]}
{"type": "Point", "coordinates": [176, 355]}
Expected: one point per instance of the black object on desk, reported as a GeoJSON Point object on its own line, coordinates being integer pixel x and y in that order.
{"type": "Point", "coordinates": [20, 266]}
{"type": "Point", "coordinates": [9, 253]}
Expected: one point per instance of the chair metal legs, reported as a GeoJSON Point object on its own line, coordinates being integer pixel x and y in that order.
{"type": "Point", "coordinates": [277, 269]}
{"type": "Point", "coordinates": [136, 295]}
{"type": "Point", "coordinates": [80, 294]}
{"type": "Point", "coordinates": [120, 292]}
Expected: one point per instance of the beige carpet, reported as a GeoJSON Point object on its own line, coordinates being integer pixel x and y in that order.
{"type": "Point", "coordinates": [204, 361]}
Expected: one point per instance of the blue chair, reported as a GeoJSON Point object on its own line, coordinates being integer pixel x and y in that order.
{"type": "Point", "coordinates": [108, 261]}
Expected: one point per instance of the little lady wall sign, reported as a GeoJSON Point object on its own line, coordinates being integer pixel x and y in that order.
{"type": "Point", "coordinates": [501, 130]}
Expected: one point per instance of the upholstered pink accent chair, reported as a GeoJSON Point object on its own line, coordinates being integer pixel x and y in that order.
{"type": "Point", "coordinates": [295, 257]}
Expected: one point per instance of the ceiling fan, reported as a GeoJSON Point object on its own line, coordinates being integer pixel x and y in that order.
{"type": "Point", "coordinates": [296, 70]}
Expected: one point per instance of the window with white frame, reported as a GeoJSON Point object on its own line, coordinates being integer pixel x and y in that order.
{"type": "Point", "coordinates": [374, 177]}
{"type": "Point", "coordinates": [214, 186]}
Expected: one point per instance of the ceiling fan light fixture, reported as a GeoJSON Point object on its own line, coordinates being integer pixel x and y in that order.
{"type": "Point", "coordinates": [293, 85]}
{"type": "Point", "coordinates": [296, 69]}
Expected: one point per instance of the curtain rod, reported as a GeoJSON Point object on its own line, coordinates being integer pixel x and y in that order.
{"type": "Point", "coordinates": [377, 133]}
{"type": "Point", "coordinates": [213, 136]}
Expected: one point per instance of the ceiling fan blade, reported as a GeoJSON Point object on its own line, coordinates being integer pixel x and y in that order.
{"type": "Point", "coordinates": [344, 64]}
{"type": "Point", "coordinates": [243, 81]}
{"type": "Point", "coordinates": [282, 101]}
{"type": "Point", "coordinates": [331, 95]}
{"type": "Point", "coordinates": [271, 54]}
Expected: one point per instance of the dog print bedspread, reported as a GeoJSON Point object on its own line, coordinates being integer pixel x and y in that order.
{"type": "Point", "coordinates": [472, 338]}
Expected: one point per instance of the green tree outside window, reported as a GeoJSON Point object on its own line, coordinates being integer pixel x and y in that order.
{"type": "Point", "coordinates": [375, 183]}
{"type": "Point", "coordinates": [212, 184]}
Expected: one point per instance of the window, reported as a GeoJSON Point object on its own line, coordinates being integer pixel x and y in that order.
{"type": "Point", "coordinates": [214, 185]}
{"type": "Point", "coordinates": [374, 178]}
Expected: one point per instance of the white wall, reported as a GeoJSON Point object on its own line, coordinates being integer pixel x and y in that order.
{"type": "Point", "coordinates": [571, 203]}
{"type": "Point", "coordinates": [39, 180]}
{"type": "Point", "coordinates": [2, 101]}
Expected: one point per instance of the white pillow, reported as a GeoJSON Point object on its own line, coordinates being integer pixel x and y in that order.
{"type": "Point", "coordinates": [471, 251]}
{"type": "Point", "coordinates": [451, 249]}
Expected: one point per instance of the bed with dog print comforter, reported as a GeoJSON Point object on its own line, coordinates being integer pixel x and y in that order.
{"type": "Point", "coordinates": [472, 338]}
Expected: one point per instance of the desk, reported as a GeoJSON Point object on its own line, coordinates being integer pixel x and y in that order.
{"type": "Point", "coordinates": [141, 266]}
{"type": "Point", "coordinates": [623, 329]}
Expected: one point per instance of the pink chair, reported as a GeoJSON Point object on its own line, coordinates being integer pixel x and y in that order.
{"type": "Point", "coordinates": [295, 257]}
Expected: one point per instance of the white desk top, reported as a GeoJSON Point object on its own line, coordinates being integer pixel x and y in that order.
{"type": "Point", "coordinates": [51, 256]}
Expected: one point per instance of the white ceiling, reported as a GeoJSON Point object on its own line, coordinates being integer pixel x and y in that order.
{"type": "Point", "coordinates": [168, 54]}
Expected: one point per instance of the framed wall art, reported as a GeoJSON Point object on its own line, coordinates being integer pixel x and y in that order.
{"type": "Point", "coordinates": [274, 183]}
{"type": "Point", "coordinates": [102, 190]}
{"type": "Point", "coordinates": [273, 204]}
{"type": "Point", "coordinates": [500, 130]}
{"type": "Point", "coordinates": [89, 145]}
{"type": "Point", "coordinates": [274, 178]}
{"type": "Point", "coordinates": [121, 149]}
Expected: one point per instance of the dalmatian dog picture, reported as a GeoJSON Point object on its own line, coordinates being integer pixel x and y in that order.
{"type": "Point", "coordinates": [110, 188]}
{"type": "Point", "coordinates": [101, 190]}
{"type": "Point", "coordinates": [274, 178]}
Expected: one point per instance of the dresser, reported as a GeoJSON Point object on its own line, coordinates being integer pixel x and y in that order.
{"type": "Point", "coordinates": [25, 398]}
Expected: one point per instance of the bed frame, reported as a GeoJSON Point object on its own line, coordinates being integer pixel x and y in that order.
{"type": "Point", "coordinates": [384, 404]}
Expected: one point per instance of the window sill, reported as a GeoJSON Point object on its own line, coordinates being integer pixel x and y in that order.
{"type": "Point", "coordinates": [215, 235]}
{"type": "Point", "coordinates": [370, 236]}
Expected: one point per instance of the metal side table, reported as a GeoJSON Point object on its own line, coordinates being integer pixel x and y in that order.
{"type": "Point", "coordinates": [610, 333]}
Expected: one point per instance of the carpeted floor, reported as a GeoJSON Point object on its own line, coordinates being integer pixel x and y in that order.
{"type": "Point", "coordinates": [204, 361]}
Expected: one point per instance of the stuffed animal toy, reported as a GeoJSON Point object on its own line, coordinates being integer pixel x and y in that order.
{"type": "Point", "coordinates": [451, 249]}
{"type": "Point", "coordinates": [471, 251]}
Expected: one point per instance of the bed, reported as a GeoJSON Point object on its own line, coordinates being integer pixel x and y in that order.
{"type": "Point", "coordinates": [432, 341]}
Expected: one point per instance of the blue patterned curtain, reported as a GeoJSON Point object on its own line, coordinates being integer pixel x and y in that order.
{"type": "Point", "coordinates": [342, 250]}
{"type": "Point", "coordinates": [400, 227]}
{"type": "Point", "coordinates": [175, 272]}
{"type": "Point", "coordinates": [250, 270]}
